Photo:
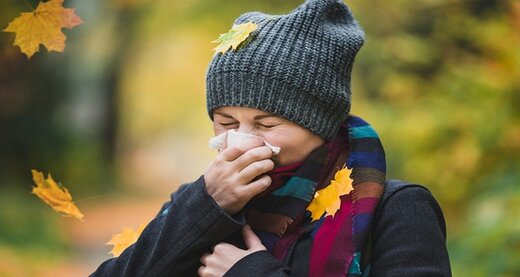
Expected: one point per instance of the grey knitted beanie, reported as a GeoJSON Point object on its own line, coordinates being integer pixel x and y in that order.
{"type": "Point", "coordinates": [296, 66]}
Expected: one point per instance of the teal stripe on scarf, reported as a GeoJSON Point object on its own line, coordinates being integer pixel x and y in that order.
{"type": "Point", "coordinates": [363, 132]}
{"type": "Point", "coordinates": [355, 265]}
{"type": "Point", "coordinates": [297, 187]}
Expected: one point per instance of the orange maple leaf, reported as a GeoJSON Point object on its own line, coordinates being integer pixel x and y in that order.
{"type": "Point", "coordinates": [327, 200]}
{"type": "Point", "coordinates": [43, 26]}
{"type": "Point", "coordinates": [124, 239]}
{"type": "Point", "coordinates": [55, 196]}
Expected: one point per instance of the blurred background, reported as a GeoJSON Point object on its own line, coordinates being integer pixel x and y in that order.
{"type": "Point", "coordinates": [119, 119]}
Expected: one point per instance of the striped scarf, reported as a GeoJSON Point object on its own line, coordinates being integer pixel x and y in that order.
{"type": "Point", "coordinates": [278, 215]}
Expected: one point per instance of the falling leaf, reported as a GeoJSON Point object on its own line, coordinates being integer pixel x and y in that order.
{"type": "Point", "coordinates": [234, 37]}
{"type": "Point", "coordinates": [54, 195]}
{"type": "Point", "coordinates": [327, 200]}
{"type": "Point", "coordinates": [43, 26]}
{"type": "Point", "coordinates": [124, 239]}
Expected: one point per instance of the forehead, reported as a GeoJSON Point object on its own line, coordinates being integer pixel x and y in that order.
{"type": "Point", "coordinates": [240, 111]}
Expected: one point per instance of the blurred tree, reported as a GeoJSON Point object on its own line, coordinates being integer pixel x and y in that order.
{"type": "Point", "coordinates": [441, 79]}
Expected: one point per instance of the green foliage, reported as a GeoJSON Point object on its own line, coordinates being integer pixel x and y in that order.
{"type": "Point", "coordinates": [441, 79]}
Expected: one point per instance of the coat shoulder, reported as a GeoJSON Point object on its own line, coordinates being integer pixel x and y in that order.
{"type": "Point", "coordinates": [394, 186]}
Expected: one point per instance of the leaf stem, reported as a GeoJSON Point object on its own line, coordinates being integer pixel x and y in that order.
{"type": "Point", "coordinates": [28, 5]}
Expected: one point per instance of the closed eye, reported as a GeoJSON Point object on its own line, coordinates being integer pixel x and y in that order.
{"type": "Point", "coordinates": [228, 124]}
{"type": "Point", "coordinates": [268, 126]}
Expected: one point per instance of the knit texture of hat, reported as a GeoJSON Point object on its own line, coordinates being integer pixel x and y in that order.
{"type": "Point", "coordinates": [296, 66]}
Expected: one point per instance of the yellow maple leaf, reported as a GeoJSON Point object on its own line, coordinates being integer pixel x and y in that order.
{"type": "Point", "coordinates": [43, 26]}
{"type": "Point", "coordinates": [327, 200]}
{"type": "Point", "coordinates": [234, 37]}
{"type": "Point", "coordinates": [54, 195]}
{"type": "Point", "coordinates": [342, 181]}
{"type": "Point", "coordinates": [124, 239]}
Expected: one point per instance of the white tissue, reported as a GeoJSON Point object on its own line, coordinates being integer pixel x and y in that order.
{"type": "Point", "coordinates": [235, 138]}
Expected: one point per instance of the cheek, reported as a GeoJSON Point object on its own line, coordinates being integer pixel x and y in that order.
{"type": "Point", "coordinates": [218, 129]}
{"type": "Point", "coordinates": [291, 145]}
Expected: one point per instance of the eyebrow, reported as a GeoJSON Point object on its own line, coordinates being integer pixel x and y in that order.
{"type": "Point", "coordinates": [261, 116]}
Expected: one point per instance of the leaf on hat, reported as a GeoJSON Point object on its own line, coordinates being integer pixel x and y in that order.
{"type": "Point", "coordinates": [327, 200]}
{"type": "Point", "coordinates": [54, 195]}
{"type": "Point", "coordinates": [235, 37]}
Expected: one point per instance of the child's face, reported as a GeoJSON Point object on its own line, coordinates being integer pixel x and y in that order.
{"type": "Point", "coordinates": [296, 142]}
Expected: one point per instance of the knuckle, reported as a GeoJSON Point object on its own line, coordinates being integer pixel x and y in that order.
{"type": "Point", "coordinates": [219, 159]}
{"type": "Point", "coordinates": [218, 247]}
{"type": "Point", "coordinates": [253, 154]}
{"type": "Point", "coordinates": [267, 151]}
{"type": "Point", "coordinates": [236, 179]}
{"type": "Point", "coordinates": [258, 167]}
{"type": "Point", "coordinates": [234, 194]}
{"type": "Point", "coordinates": [240, 148]}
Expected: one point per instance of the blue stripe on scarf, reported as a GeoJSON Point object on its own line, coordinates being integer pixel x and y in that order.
{"type": "Point", "coordinates": [297, 187]}
{"type": "Point", "coordinates": [367, 159]}
{"type": "Point", "coordinates": [355, 121]}
{"type": "Point", "coordinates": [268, 239]}
{"type": "Point", "coordinates": [317, 225]}
{"type": "Point", "coordinates": [361, 221]}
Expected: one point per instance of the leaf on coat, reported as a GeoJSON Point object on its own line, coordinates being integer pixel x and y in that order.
{"type": "Point", "coordinates": [54, 195]}
{"type": "Point", "coordinates": [124, 239]}
{"type": "Point", "coordinates": [43, 26]}
{"type": "Point", "coordinates": [327, 200]}
{"type": "Point", "coordinates": [234, 37]}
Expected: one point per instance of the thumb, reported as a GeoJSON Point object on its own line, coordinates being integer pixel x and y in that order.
{"type": "Point", "coordinates": [251, 239]}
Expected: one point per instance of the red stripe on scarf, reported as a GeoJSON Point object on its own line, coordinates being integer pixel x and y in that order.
{"type": "Point", "coordinates": [330, 245]}
{"type": "Point", "coordinates": [366, 205]}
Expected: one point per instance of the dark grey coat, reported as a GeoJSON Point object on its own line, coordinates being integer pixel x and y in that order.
{"type": "Point", "coordinates": [408, 239]}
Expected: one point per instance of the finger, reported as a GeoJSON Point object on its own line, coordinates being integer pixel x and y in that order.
{"type": "Point", "coordinates": [256, 187]}
{"type": "Point", "coordinates": [222, 247]}
{"type": "Point", "coordinates": [200, 271]}
{"type": "Point", "coordinates": [250, 238]}
{"type": "Point", "coordinates": [255, 169]}
{"type": "Point", "coordinates": [203, 259]}
{"type": "Point", "coordinates": [253, 155]}
{"type": "Point", "coordinates": [233, 152]}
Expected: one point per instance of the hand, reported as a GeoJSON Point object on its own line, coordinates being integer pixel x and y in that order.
{"type": "Point", "coordinates": [225, 255]}
{"type": "Point", "coordinates": [230, 178]}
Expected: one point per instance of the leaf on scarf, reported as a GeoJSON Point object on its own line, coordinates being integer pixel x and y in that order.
{"type": "Point", "coordinates": [43, 26]}
{"type": "Point", "coordinates": [54, 195]}
{"type": "Point", "coordinates": [124, 239]}
{"type": "Point", "coordinates": [327, 200]}
{"type": "Point", "coordinates": [234, 37]}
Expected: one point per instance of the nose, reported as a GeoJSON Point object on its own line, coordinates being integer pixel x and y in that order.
{"type": "Point", "coordinates": [247, 129]}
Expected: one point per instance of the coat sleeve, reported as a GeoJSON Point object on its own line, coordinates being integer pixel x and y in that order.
{"type": "Point", "coordinates": [409, 236]}
{"type": "Point", "coordinates": [173, 242]}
